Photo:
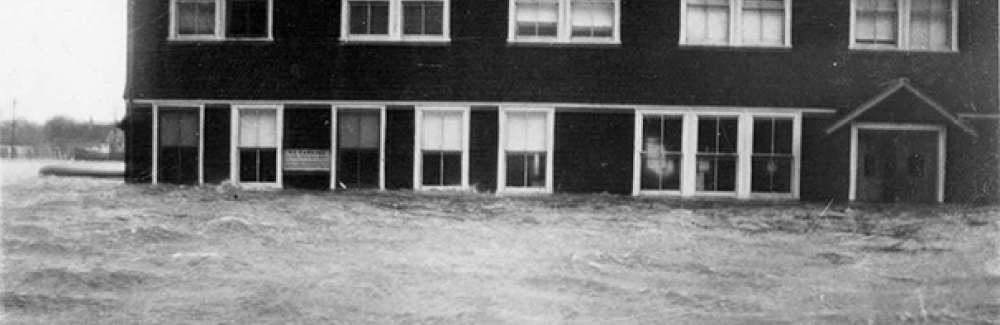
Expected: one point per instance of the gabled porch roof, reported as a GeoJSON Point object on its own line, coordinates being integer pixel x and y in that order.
{"type": "Point", "coordinates": [899, 85]}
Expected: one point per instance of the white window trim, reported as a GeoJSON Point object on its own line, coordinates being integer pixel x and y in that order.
{"type": "Point", "coordinates": [942, 133]}
{"type": "Point", "coordinates": [689, 152]}
{"type": "Point", "coordinates": [418, 162]}
{"type": "Point", "coordinates": [201, 140]}
{"type": "Point", "coordinates": [395, 25]}
{"type": "Point", "coordinates": [502, 150]}
{"type": "Point", "coordinates": [220, 24]}
{"type": "Point", "coordinates": [334, 183]}
{"type": "Point", "coordinates": [735, 23]}
{"type": "Point", "coordinates": [903, 30]}
{"type": "Point", "coordinates": [234, 147]}
{"type": "Point", "coordinates": [563, 27]}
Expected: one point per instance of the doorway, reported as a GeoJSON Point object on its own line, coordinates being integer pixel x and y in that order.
{"type": "Point", "coordinates": [898, 165]}
{"type": "Point", "coordinates": [178, 136]}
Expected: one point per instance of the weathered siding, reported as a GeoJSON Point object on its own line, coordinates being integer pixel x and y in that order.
{"type": "Point", "coordinates": [973, 168]}
{"type": "Point", "coordinates": [484, 137]}
{"type": "Point", "coordinates": [306, 61]}
{"type": "Point", "coordinates": [307, 127]}
{"type": "Point", "coordinates": [138, 127]}
{"type": "Point", "coordinates": [217, 143]}
{"type": "Point", "coordinates": [593, 151]}
{"type": "Point", "coordinates": [825, 161]}
{"type": "Point", "coordinates": [399, 147]}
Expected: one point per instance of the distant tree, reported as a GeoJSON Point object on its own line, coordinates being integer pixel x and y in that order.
{"type": "Point", "coordinates": [27, 133]}
{"type": "Point", "coordinates": [65, 132]}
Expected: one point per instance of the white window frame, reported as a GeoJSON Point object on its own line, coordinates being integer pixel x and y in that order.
{"type": "Point", "coordinates": [502, 150]}
{"type": "Point", "coordinates": [334, 130]}
{"type": "Point", "coordinates": [234, 147]}
{"type": "Point", "coordinates": [903, 30]}
{"type": "Point", "coordinates": [220, 24]}
{"type": "Point", "coordinates": [744, 151]}
{"type": "Point", "coordinates": [395, 27]}
{"type": "Point", "coordinates": [735, 27]}
{"type": "Point", "coordinates": [418, 164]}
{"type": "Point", "coordinates": [156, 138]}
{"type": "Point", "coordinates": [564, 27]}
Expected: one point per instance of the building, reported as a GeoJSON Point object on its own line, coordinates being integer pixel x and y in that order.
{"type": "Point", "coordinates": [862, 100]}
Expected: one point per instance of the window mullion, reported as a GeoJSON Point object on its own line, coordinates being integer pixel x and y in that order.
{"type": "Point", "coordinates": [564, 25]}
{"type": "Point", "coordinates": [220, 19]}
{"type": "Point", "coordinates": [903, 15]}
{"type": "Point", "coordinates": [735, 22]}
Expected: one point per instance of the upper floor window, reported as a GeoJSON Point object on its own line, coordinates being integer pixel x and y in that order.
{"type": "Point", "coordinates": [565, 21]}
{"type": "Point", "coordinates": [764, 23]}
{"type": "Point", "coordinates": [395, 20]}
{"type": "Point", "coordinates": [921, 25]}
{"type": "Point", "coordinates": [220, 19]}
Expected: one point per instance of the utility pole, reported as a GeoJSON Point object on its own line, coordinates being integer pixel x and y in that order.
{"type": "Point", "coordinates": [13, 132]}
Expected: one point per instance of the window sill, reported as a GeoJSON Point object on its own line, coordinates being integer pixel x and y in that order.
{"type": "Point", "coordinates": [219, 40]}
{"type": "Point", "coordinates": [865, 49]}
{"type": "Point", "coordinates": [391, 42]}
{"type": "Point", "coordinates": [558, 43]}
{"type": "Point", "coordinates": [730, 47]}
{"type": "Point", "coordinates": [524, 191]}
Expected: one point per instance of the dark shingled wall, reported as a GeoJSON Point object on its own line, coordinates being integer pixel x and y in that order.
{"type": "Point", "coordinates": [399, 129]}
{"type": "Point", "coordinates": [217, 142]}
{"type": "Point", "coordinates": [593, 151]}
{"type": "Point", "coordinates": [138, 127]}
{"type": "Point", "coordinates": [483, 141]}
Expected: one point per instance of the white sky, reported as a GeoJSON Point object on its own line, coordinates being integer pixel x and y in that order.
{"type": "Point", "coordinates": [62, 57]}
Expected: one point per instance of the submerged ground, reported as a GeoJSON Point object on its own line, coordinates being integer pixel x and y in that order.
{"type": "Point", "coordinates": [98, 251]}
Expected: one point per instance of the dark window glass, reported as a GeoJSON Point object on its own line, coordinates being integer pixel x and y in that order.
{"type": "Point", "coordinates": [661, 152]}
{"type": "Point", "coordinates": [195, 18]}
{"type": "Point", "coordinates": [537, 18]}
{"type": "Point", "coordinates": [772, 174]}
{"type": "Point", "coordinates": [772, 136]}
{"type": "Point", "coordinates": [369, 17]}
{"type": "Point", "coordinates": [442, 168]}
{"type": "Point", "coordinates": [526, 169]}
{"type": "Point", "coordinates": [258, 165]}
{"type": "Point", "coordinates": [247, 18]}
{"type": "Point", "coordinates": [771, 170]}
{"type": "Point", "coordinates": [717, 134]}
{"type": "Point", "coordinates": [423, 18]}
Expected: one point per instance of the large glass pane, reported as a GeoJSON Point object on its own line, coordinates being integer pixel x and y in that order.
{"type": "Point", "coordinates": [716, 173]}
{"type": "Point", "coordinates": [423, 18]}
{"type": "Point", "coordinates": [717, 134]}
{"type": "Point", "coordinates": [876, 22]}
{"type": "Point", "coordinates": [763, 22]}
{"type": "Point", "coordinates": [526, 169]}
{"type": "Point", "coordinates": [930, 25]}
{"type": "Point", "coordinates": [258, 165]}
{"type": "Point", "coordinates": [537, 18]}
{"type": "Point", "coordinates": [442, 168]}
{"type": "Point", "coordinates": [707, 21]}
{"type": "Point", "coordinates": [358, 129]}
{"type": "Point", "coordinates": [247, 18]}
{"type": "Point", "coordinates": [661, 152]}
{"type": "Point", "coordinates": [661, 171]}
{"type": "Point", "coordinates": [593, 18]}
{"type": "Point", "coordinates": [369, 17]}
{"type": "Point", "coordinates": [772, 136]}
{"type": "Point", "coordinates": [441, 130]}
{"type": "Point", "coordinates": [357, 168]}
{"type": "Point", "coordinates": [772, 175]}
{"type": "Point", "coordinates": [526, 131]}
{"type": "Point", "coordinates": [195, 17]}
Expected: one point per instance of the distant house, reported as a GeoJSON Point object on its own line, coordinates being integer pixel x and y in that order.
{"type": "Point", "coordinates": [861, 100]}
